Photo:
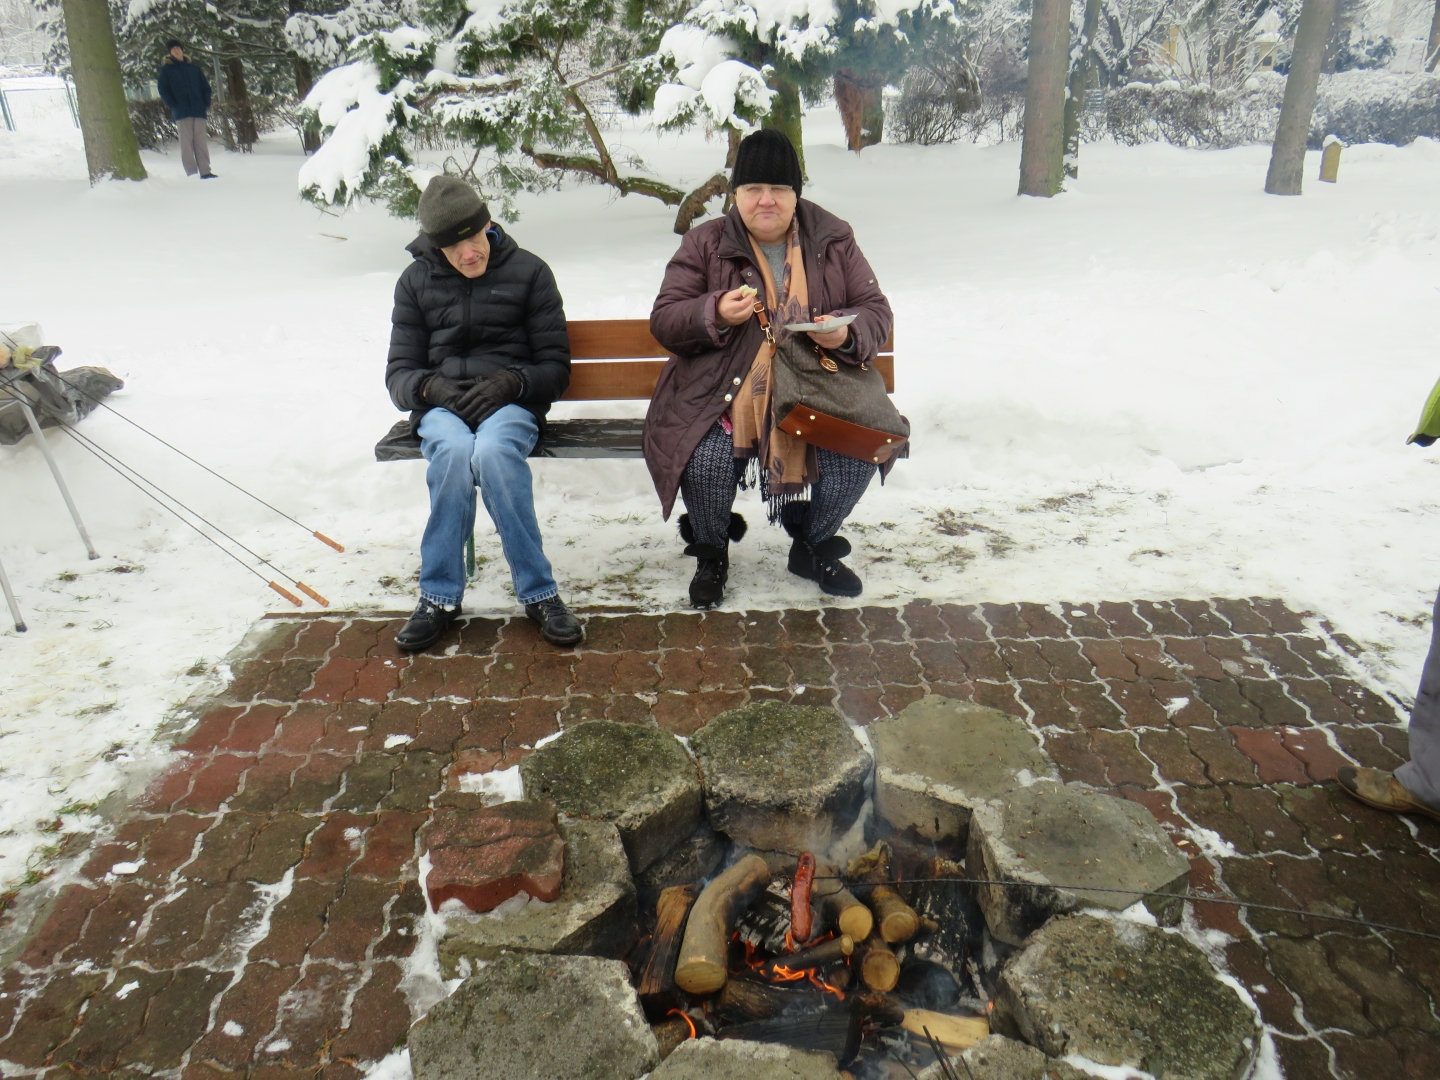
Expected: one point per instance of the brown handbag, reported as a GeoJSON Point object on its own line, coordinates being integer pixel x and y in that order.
{"type": "Point", "coordinates": [840, 406]}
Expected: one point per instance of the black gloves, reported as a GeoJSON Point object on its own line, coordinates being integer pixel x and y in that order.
{"type": "Point", "coordinates": [473, 400]}
{"type": "Point", "coordinates": [444, 392]}
{"type": "Point", "coordinates": [487, 395]}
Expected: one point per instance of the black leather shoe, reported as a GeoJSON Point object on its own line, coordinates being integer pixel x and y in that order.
{"type": "Point", "coordinates": [557, 625]}
{"type": "Point", "coordinates": [821, 563]}
{"type": "Point", "coordinates": [712, 570]}
{"type": "Point", "coordinates": [424, 627]}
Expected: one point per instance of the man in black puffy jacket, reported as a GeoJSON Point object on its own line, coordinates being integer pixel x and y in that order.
{"type": "Point", "coordinates": [478, 351]}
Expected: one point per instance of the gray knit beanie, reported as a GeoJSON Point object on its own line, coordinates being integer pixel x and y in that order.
{"type": "Point", "coordinates": [450, 210]}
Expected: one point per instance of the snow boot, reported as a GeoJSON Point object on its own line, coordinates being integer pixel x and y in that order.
{"type": "Point", "coordinates": [712, 564]}
{"type": "Point", "coordinates": [820, 562]}
{"type": "Point", "coordinates": [425, 626]}
{"type": "Point", "coordinates": [558, 625]}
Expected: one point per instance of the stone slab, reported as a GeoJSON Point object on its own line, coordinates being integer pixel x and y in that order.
{"type": "Point", "coordinates": [781, 777]}
{"type": "Point", "coordinates": [483, 855]}
{"type": "Point", "coordinates": [594, 914]}
{"type": "Point", "coordinates": [639, 778]}
{"type": "Point", "coordinates": [997, 1058]}
{"type": "Point", "coordinates": [1124, 994]}
{"type": "Point", "coordinates": [1051, 835]}
{"type": "Point", "coordinates": [531, 1017]}
{"type": "Point", "coordinates": [940, 758]}
{"type": "Point", "coordinates": [731, 1059]}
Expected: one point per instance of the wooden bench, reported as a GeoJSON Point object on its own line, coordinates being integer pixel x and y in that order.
{"type": "Point", "coordinates": [611, 360]}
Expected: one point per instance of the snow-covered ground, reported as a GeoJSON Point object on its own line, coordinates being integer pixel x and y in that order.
{"type": "Point", "coordinates": [1164, 383]}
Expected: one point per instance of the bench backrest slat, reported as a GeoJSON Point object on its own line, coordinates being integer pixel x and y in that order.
{"type": "Point", "coordinates": [604, 380]}
{"type": "Point", "coordinates": [612, 360]}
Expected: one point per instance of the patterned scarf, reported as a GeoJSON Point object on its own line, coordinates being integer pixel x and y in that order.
{"type": "Point", "coordinates": [788, 464]}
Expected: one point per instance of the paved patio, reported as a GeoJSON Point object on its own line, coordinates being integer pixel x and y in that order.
{"type": "Point", "coordinates": [254, 913]}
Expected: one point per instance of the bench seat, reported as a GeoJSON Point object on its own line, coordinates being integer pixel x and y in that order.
{"type": "Point", "coordinates": [617, 438]}
{"type": "Point", "coordinates": [613, 360]}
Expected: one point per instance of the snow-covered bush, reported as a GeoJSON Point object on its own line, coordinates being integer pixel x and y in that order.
{"type": "Point", "coordinates": [1377, 106]}
{"type": "Point", "coordinates": [1195, 115]}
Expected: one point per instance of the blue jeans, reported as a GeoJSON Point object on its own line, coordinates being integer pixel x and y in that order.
{"type": "Point", "coordinates": [493, 459]}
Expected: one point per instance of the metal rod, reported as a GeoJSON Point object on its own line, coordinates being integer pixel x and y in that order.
{"type": "Point", "coordinates": [20, 626]}
{"type": "Point", "coordinates": [55, 471]}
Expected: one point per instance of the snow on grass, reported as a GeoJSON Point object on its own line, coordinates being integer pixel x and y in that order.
{"type": "Point", "coordinates": [1164, 383]}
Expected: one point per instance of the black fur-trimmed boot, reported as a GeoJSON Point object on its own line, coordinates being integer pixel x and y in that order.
{"type": "Point", "coordinates": [820, 562]}
{"type": "Point", "coordinates": [712, 564]}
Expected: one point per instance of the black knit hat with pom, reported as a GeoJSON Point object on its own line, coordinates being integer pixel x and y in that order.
{"type": "Point", "coordinates": [767, 157]}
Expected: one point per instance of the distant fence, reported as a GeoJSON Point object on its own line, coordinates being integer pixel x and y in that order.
{"type": "Point", "coordinates": [38, 103]}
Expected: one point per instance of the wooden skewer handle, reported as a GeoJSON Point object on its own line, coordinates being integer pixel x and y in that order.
{"type": "Point", "coordinates": [287, 594]}
{"type": "Point", "coordinates": [312, 594]}
{"type": "Point", "coordinates": [326, 540]}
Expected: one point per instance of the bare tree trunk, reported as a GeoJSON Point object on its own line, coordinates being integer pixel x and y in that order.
{"type": "Point", "coordinates": [110, 146]}
{"type": "Point", "coordinates": [1042, 150]}
{"type": "Point", "coordinates": [786, 114]}
{"type": "Point", "coordinates": [1079, 87]}
{"type": "Point", "coordinates": [1287, 156]}
{"type": "Point", "coordinates": [1432, 47]}
{"type": "Point", "coordinates": [862, 109]}
{"type": "Point", "coordinates": [304, 80]}
{"type": "Point", "coordinates": [245, 131]}
{"type": "Point", "coordinates": [221, 116]}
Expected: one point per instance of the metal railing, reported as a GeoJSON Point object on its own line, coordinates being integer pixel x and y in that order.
{"type": "Point", "coordinates": [8, 116]}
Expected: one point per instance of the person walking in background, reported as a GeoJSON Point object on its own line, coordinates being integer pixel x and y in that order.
{"type": "Point", "coordinates": [184, 88]}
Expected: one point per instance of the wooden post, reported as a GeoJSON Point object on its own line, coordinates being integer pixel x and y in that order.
{"type": "Point", "coordinates": [1330, 159]}
{"type": "Point", "coordinates": [1042, 150]}
{"type": "Point", "coordinates": [1287, 156]}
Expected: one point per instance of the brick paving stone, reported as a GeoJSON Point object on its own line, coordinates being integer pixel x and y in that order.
{"type": "Point", "coordinates": [1042, 622]}
{"type": "Point", "coordinates": [176, 1018]}
{"type": "Point", "coordinates": [379, 1017]}
{"type": "Point", "coordinates": [1241, 615]}
{"type": "Point", "coordinates": [1084, 621]}
{"type": "Point", "coordinates": [296, 922]}
{"type": "Point", "coordinates": [1162, 618]}
{"type": "Point", "coordinates": [1322, 659]}
{"type": "Point", "coordinates": [112, 1019]}
{"type": "Point", "coordinates": [1005, 620]}
{"type": "Point", "coordinates": [965, 623]}
{"type": "Point", "coordinates": [1227, 718]}
{"type": "Point", "coordinates": [1273, 761]}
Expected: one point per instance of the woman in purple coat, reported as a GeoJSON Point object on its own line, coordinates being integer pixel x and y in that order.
{"type": "Point", "coordinates": [710, 421]}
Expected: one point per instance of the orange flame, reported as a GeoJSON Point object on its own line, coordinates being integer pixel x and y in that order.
{"type": "Point", "coordinates": [684, 1016]}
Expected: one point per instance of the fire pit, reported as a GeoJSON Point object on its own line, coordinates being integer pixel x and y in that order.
{"type": "Point", "coordinates": [822, 957]}
{"type": "Point", "coordinates": [850, 933]}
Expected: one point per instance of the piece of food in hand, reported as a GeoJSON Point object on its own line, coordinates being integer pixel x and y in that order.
{"type": "Point", "coordinates": [747, 292]}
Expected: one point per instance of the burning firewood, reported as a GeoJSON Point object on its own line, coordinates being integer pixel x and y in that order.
{"type": "Point", "coordinates": [815, 957]}
{"type": "Point", "coordinates": [955, 1033]}
{"type": "Point", "coordinates": [657, 980]}
{"type": "Point", "coordinates": [896, 919]}
{"type": "Point", "coordinates": [746, 998]}
{"type": "Point", "coordinates": [765, 924]}
{"type": "Point", "coordinates": [879, 969]}
{"type": "Point", "coordinates": [837, 1030]}
{"type": "Point", "coordinates": [701, 966]}
{"type": "Point", "coordinates": [958, 921]}
{"type": "Point", "coordinates": [839, 909]}
{"type": "Point", "coordinates": [676, 1028]}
